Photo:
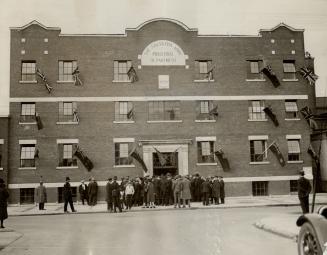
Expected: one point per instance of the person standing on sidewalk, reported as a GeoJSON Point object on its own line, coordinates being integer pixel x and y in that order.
{"type": "Point", "coordinates": [115, 195]}
{"type": "Point", "coordinates": [129, 192]}
{"type": "Point", "coordinates": [176, 186]}
{"type": "Point", "coordinates": [186, 191]}
{"type": "Point", "coordinates": [222, 189]}
{"type": "Point", "coordinates": [41, 195]}
{"type": "Point", "coordinates": [304, 189]}
{"type": "Point", "coordinates": [109, 188]}
{"type": "Point", "coordinates": [216, 190]}
{"type": "Point", "coordinates": [3, 202]}
{"type": "Point", "coordinates": [82, 190]}
{"type": "Point", "coordinates": [93, 192]}
{"type": "Point", "coordinates": [68, 196]}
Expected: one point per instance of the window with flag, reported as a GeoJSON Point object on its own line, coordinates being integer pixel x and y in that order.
{"type": "Point", "coordinates": [289, 69]}
{"type": "Point", "coordinates": [294, 150]}
{"type": "Point", "coordinates": [258, 152]}
{"type": "Point", "coordinates": [28, 71]}
{"type": "Point", "coordinates": [256, 110]}
{"type": "Point", "coordinates": [66, 68]}
{"type": "Point", "coordinates": [206, 151]}
{"type": "Point", "coordinates": [254, 70]}
{"type": "Point", "coordinates": [291, 110]}
{"type": "Point", "coordinates": [26, 196]}
{"type": "Point", "coordinates": [122, 151]}
{"type": "Point", "coordinates": [260, 188]}
{"type": "Point", "coordinates": [124, 111]}
{"type": "Point", "coordinates": [67, 112]}
{"type": "Point", "coordinates": [66, 155]}
{"type": "Point", "coordinates": [121, 68]}
{"type": "Point", "coordinates": [27, 155]}
{"type": "Point", "coordinates": [205, 110]}
{"type": "Point", "coordinates": [203, 70]}
{"type": "Point", "coordinates": [27, 114]}
{"type": "Point", "coordinates": [163, 110]}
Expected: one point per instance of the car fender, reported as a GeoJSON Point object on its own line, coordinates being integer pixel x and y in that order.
{"type": "Point", "coordinates": [319, 224]}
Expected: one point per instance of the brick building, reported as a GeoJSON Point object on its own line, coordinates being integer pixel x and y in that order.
{"type": "Point", "coordinates": [4, 136]}
{"type": "Point", "coordinates": [162, 89]}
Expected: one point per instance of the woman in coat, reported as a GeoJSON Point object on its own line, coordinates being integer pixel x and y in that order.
{"type": "Point", "coordinates": [41, 195]}
{"type": "Point", "coordinates": [3, 202]}
{"type": "Point", "coordinates": [186, 191]}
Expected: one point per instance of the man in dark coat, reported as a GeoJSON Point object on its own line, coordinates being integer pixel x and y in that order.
{"type": "Point", "coordinates": [40, 195]}
{"type": "Point", "coordinates": [109, 198]}
{"type": "Point", "coordinates": [115, 195]}
{"type": "Point", "coordinates": [82, 190]}
{"type": "Point", "coordinates": [68, 196]}
{"type": "Point", "coordinates": [304, 189]}
{"type": "Point", "coordinates": [156, 184]}
{"type": "Point", "coordinates": [3, 202]}
{"type": "Point", "coordinates": [216, 190]}
{"type": "Point", "coordinates": [93, 192]}
{"type": "Point", "coordinates": [205, 188]}
{"type": "Point", "coordinates": [222, 189]}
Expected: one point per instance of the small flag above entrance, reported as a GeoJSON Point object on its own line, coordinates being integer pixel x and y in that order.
{"type": "Point", "coordinates": [271, 75]}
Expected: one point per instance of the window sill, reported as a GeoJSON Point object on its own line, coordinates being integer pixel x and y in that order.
{"type": "Point", "coordinates": [66, 167]}
{"type": "Point", "coordinates": [26, 168]}
{"type": "Point", "coordinates": [115, 81]}
{"type": "Point", "coordinates": [27, 82]}
{"type": "Point", "coordinates": [255, 80]}
{"type": "Point", "coordinates": [27, 123]}
{"type": "Point", "coordinates": [122, 166]}
{"type": "Point", "coordinates": [164, 121]}
{"type": "Point", "coordinates": [66, 82]}
{"type": "Point", "coordinates": [1, 168]}
{"type": "Point", "coordinates": [260, 163]}
{"type": "Point", "coordinates": [67, 123]}
{"type": "Point", "coordinates": [295, 162]}
{"type": "Point", "coordinates": [292, 119]}
{"type": "Point", "coordinates": [258, 120]}
{"type": "Point", "coordinates": [124, 122]}
{"type": "Point", "coordinates": [290, 80]}
{"type": "Point", "coordinates": [201, 81]}
{"type": "Point", "coordinates": [206, 164]}
{"type": "Point", "coordinates": [205, 121]}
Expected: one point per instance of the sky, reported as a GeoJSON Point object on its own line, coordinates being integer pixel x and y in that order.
{"type": "Point", "coordinates": [245, 17]}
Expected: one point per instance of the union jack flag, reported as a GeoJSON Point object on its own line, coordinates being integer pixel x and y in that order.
{"type": "Point", "coordinates": [308, 75]}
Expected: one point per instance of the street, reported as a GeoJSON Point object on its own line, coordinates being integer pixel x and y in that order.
{"type": "Point", "coordinates": [201, 231]}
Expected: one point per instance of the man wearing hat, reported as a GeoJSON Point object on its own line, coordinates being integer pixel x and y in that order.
{"type": "Point", "coordinates": [93, 192]}
{"type": "Point", "coordinates": [109, 188]}
{"type": "Point", "coordinates": [68, 196]}
{"type": "Point", "coordinates": [82, 190]}
{"type": "Point", "coordinates": [115, 195]}
{"type": "Point", "coordinates": [304, 189]}
{"type": "Point", "coordinates": [41, 195]}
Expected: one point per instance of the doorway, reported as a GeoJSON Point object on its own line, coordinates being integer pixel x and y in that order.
{"type": "Point", "coordinates": [165, 162]}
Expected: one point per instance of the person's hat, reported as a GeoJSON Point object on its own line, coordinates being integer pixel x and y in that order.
{"type": "Point", "coordinates": [1, 181]}
{"type": "Point", "coordinates": [82, 181]}
{"type": "Point", "coordinates": [115, 178]}
{"type": "Point", "coordinates": [109, 179]}
{"type": "Point", "coordinates": [67, 179]}
{"type": "Point", "coordinates": [301, 172]}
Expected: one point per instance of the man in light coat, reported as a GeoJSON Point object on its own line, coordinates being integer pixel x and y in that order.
{"type": "Point", "coordinates": [41, 195]}
{"type": "Point", "coordinates": [176, 186]}
{"type": "Point", "coordinates": [186, 191]}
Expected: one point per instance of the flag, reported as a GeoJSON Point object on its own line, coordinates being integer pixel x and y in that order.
{"type": "Point", "coordinates": [38, 121]}
{"type": "Point", "coordinates": [271, 75]}
{"type": "Point", "coordinates": [271, 115]}
{"type": "Point", "coordinates": [162, 158]}
{"type": "Point", "coordinates": [171, 114]}
{"type": "Point", "coordinates": [214, 111]}
{"type": "Point", "coordinates": [36, 153]}
{"type": "Point", "coordinates": [313, 154]}
{"type": "Point", "coordinates": [130, 114]}
{"type": "Point", "coordinates": [84, 159]}
{"type": "Point", "coordinates": [77, 80]}
{"type": "Point", "coordinates": [209, 74]}
{"type": "Point", "coordinates": [44, 79]}
{"type": "Point", "coordinates": [222, 159]}
{"type": "Point", "coordinates": [75, 115]}
{"type": "Point", "coordinates": [274, 148]}
{"type": "Point", "coordinates": [138, 158]}
{"type": "Point", "coordinates": [308, 75]}
{"type": "Point", "coordinates": [131, 73]}
{"type": "Point", "coordinates": [309, 117]}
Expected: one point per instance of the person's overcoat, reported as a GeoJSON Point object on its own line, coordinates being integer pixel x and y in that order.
{"type": "Point", "coordinates": [216, 188]}
{"type": "Point", "coordinates": [4, 195]}
{"type": "Point", "coordinates": [41, 194]}
{"type": "Point", "coordinates": [186, 189]}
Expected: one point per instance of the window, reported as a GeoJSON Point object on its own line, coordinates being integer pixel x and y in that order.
{"type": "Point", "coordinates": [61, 194]}
{"type": "Point", "coordinates": [124, 111]}
{"type": "Point", "coordinates": [120, 70]}
{"type": "Point", "coordinates": [67, 112]}
{"type": "Point", "coordinates": [260, 188]}
{"type": "Point", "coordinates": [163, 110]}
{"type": "Point", "coordinates": [254, 70]}
{"type": "Point", "coordinates": [204, 109]}
{"type": "Point", "coordinates": [293, 186]}
{"type": "Point", "coordinates": [66, 155]}
{"type": "Point", "coordinates": [27, 196]}
{"type": "Point", "coordinates": [27, 153]}
{"type": "Point", "coordinates": [289, 69]}
{"type": "Point", "coordinates": [293, 149]}
{"type": "Point", "coordinates": [202, 70]}
{"type": "Point", "coordinates": [66, 68]}
{"type": "Point", "coordinates": [122, 151]}
{"type": "Point", "coordinates": [256, 110]}
{"type": "Point", "coordinates": [291, 110]}
{"type": "Point", "coordinates": [206, 151]}
{"type": "Point", "coordinates": [27, 112]}
{"type": "Point", "coordinates": [258, 151]}
{"type": "Point", "coordinates": [28, 71]}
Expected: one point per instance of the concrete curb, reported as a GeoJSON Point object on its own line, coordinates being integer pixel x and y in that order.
{"type": "Point", "coordinates": [7, 237]}
{"type": "Point", "coordinates": [275, 230]}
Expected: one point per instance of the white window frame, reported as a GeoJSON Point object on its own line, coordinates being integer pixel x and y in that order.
{"type": "Point", "coordinates": [63, 142]}
{"type": "Point", "coordinates": [296, 138]}
{"type": "Point", "coordinates": [120, 71]}
{"type": "Point", "coordinates": [23, 144]}
{"type": "Point", "coordinates": [265, 157]}
{"type": "Point", "coordinates": [123, 141]}
{"type": "Point", "coordinates": [65, 72]}
{"type": "Point", "coordinates": [254, 111]}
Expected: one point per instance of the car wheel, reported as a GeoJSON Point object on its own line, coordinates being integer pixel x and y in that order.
{"type": "Point", "coordinates": [307, 242]}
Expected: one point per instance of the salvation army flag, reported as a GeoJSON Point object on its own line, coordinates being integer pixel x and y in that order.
{"type": "Point", "coordinates": [130, 114]}
{"type": "Point", "coordinates": [271, 75]}
{"type": "Point", "coordinates": [138, 158]}
{"type": "Point", "coordinates": [84, 159]}
{"type": "Point", "coordinates": [274, 148]}
{"type": "Point", "coordinates": [222, 159]}
{"type": "Point", "coordinates": [131, 73]}
{"type": "Point", "coordinates": [214, 111]}
{"type": "Point", "coordinates": [271, 115]}
{"type": "Point", "coordinates": [44, 79]}
{"type": "Point", "coordinates": [308, 75]}
{"type": "Point", "coordinates": [162, 158]}
{"type": "Point", "coordinates": [77, 80]}
{"type": "Point", "coordinates": [38, 121]}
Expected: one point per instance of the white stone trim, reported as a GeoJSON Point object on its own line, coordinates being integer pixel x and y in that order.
{"type": "Point", "coordinates": [122, 166]}
{"type": "Point", "coordinates": [293, 137]}
{"type": "Point", "coordinates": [28, 82]}
{"type": "Point", "coordinates": [1, 168]}
{"type": "Point", "coordinates": [66, 167]}
{"type": "Point", "coordinates": [124, 122]}
{"type": "Point", "coordinates": [2, 141]}
{"type": "Point", "coordinates": [117, 81]}
{"type": "Point", "coordinates": [31, 141]}
{"type": "Point", "coordinates": [258, 120]}
{"type": "Point", "coordinates": [27, 123]}
{"type": "Point", "coordinates": [199, 121]}
{"type": "Point", "coordinates": [257, 137]}
{"type": "Point", "coordinates": [26, 168]}
{"type": "Point", "coordinates": [157, 98]}
{"type": "Point", "coordinates": [295, 162]}
{"type": "Point", "coordinates": [164, 121]}
{"type": "Point", "coordinates": [259, 163]}
{"type": "Point", "coordinates": [61, 141]}
{"type": "Point", "coordinates": [292, 119]}
{"type": "Point", "coordinates": [205, 138]}
{"type": "Point", "coordinates": [290, 80]}
{"type": "Point", "coordinates": [203, 81]}
{"type": "Point", "coordinates": [124, 140]}
{"type": "Point", "coordinates": [67, 122]}
{"type": "Point", "coordinates": [255, 80]}
{"type": "Point", "coordinates": [206, 164]}
{"type": "Point", "coordinates": [69, 82]}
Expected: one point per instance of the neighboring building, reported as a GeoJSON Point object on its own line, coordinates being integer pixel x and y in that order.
{"type": "Point", "coordinates": [4, 136]}
{"type": "Point", "coordinates": [185, 97]}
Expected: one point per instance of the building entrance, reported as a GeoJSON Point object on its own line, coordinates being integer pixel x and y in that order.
{"type": "Point", "coordinates": [165, 162]}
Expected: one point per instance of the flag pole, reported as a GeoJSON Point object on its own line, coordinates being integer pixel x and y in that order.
{"type": "Point", "coordinates": [267, 149]}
